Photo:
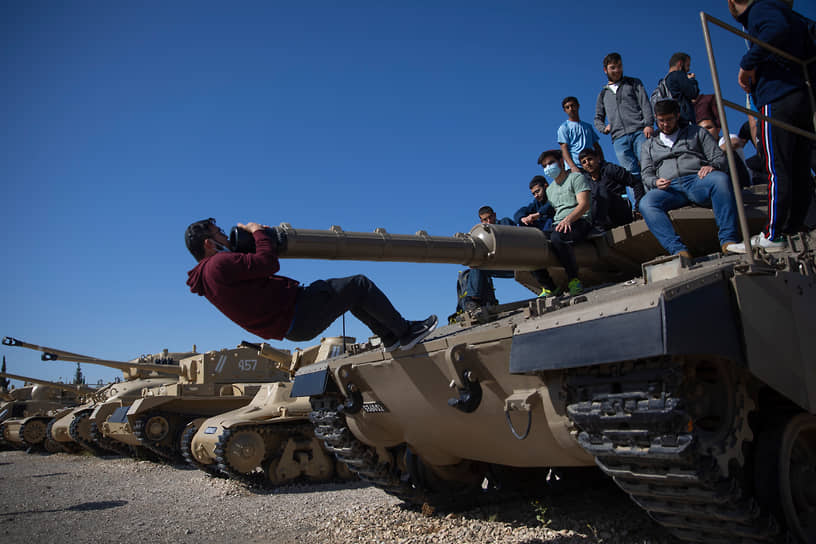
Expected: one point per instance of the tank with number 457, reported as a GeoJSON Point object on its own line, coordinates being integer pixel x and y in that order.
{"type": "Point", "coordinates": [208, 384]}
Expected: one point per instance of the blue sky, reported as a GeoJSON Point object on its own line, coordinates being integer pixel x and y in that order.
{"type": "Point", "coordinates": [125, 121]}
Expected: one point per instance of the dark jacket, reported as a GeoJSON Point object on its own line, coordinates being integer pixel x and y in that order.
{"type": "Point", "coordinates": [628, 110]}
{"type": "Point", "coordinates": [693, 149]}
{"type": "Point", "coordinates": [544, 208]}
{"type": "Point", "coordinates": [246, 290]}
{"type": "Point", "coordinates": [774, 22]}
{"type": "Point", "coordinates": [609, 208]}
{"type": "Point", "coordinates": [683, 90]}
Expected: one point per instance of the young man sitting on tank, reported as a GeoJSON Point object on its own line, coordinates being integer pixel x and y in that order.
{"type": "Point", "coordinates": [684, 165]}
{"type": "Point", "coordinates": [479, 289]}
{"type": "Point", "coordinates": [610, 206]}
{"type": "Point", "coordinates": [570, 195]}
{"type": "Point", "coordinates": [245, 287]}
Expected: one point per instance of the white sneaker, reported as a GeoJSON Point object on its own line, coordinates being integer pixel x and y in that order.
{"type": "Point", "coordinates": [759, 241]}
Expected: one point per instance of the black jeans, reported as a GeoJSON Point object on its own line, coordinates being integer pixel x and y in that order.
{"type": "Point", "coordinates": [323, 301]}
{"type": "Point", "coordinates": [562, 245]}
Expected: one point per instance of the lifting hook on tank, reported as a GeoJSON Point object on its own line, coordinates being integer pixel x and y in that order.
{"type": "Point", "coordinates": [354, 402]}
{"type": "Point", "coordinates": [470, 394]}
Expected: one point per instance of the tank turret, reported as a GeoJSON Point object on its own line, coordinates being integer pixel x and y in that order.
{"type": "Point", "coordinates": [41, 388]}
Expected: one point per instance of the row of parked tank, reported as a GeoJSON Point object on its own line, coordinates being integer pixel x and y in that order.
{"type": "Point", "coordinates": [227, 412]}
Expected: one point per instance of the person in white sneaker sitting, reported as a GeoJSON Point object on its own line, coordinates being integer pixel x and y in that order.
{"type": "Point", "coordinates": [684, 165]}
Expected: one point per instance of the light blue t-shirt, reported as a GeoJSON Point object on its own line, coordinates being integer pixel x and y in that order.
{"type": "Point", "coordinates": [578, 136]}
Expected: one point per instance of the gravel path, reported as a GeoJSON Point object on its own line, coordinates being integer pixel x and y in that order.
{"type": "Point", "coordinates": [84, 499]}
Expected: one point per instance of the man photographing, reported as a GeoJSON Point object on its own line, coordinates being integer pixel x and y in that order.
{"type": "Point", "coordinates": [245, 287]}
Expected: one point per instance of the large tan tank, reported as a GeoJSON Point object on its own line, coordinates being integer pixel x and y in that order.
{"type": "Point", "coordinates": [83, 425]}
{"type": "Point", "coordinates": [270, 441]}
{"type": "Point", "coordinates": [691, 383]}
{"type": "Point", "coordinates": [208, 384]}
{"type": "Point", "coordinates": [47, 399]}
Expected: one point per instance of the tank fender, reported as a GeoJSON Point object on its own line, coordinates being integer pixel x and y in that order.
{"type": "Point", "coordinates": [692, 317]}
{"type": "Point", "coordinates": [778, 323]}
{"type": "Point", "coordinates": [313, 380]}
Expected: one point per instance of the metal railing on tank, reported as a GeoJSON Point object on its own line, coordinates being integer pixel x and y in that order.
{"type": "Point", "coordinates": [705, 19]}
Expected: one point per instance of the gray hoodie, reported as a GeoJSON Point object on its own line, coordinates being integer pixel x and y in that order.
{"type": "Point", "coordinates": [628, 110]}
{"type": "Point", "coordinates": [693, 149]}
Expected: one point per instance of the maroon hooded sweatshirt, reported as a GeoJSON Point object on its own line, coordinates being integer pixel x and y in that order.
{"type": "Point", "coordinates": [245, 288]}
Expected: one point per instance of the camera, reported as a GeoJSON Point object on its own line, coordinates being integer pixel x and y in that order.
{"type": "Point", "coordinates": [242, 241]}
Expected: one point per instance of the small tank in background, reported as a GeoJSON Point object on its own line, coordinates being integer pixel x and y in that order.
{"type": "Point", "coordinates": [270, 441]}
{"type": "Point", "coordinates": [84, 424]}
{"type": "Point", "coordinates": [24, 422]}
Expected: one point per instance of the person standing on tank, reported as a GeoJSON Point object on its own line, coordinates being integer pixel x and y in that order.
{"type": "Point", "coordinates": [245, 287]}
{"type": "Point", "coordinates": [624, 112]}
{"type": "Point", "coordinates": [777, 87]}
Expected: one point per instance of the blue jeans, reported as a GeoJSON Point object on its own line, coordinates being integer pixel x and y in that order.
{"type": "Point", "coordinates": [627, 148]}
{"type": "Point", "coordinates": [713, 191]}
{"type": "Point", "coordinates": [479, 285]}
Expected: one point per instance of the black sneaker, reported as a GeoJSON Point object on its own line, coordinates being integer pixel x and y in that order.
{"type": "Point", "coordinates": [417, 331]}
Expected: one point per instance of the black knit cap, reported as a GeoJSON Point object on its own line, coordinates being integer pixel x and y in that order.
{"type": "Point", "coordinates": [196, 233]}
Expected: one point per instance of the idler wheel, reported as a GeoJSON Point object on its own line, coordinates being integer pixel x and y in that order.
{"type": "Point", "coordinates": [786, 473]}
{"type": "Point", "coordinates": [34, 432]}
{"type": "Point", "coordinates": [797, 476]}
{"type": "Point", "coordinates": [156, 428]}
{"type": "Point", "coordinates": [245, 451]}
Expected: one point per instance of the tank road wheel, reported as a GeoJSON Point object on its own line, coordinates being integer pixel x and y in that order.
{"type": "Point", "coordinates": [33, 432]}
{"type": "Point", "coordinates": [245, 451]}
{"type": "Point", "coordinates": [786, 473]}
{"type": "Point", "coordinates": [156, 428]}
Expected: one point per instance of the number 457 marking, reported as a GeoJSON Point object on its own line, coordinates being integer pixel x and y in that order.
{"type": "Point", "coordinates": [247, 364]}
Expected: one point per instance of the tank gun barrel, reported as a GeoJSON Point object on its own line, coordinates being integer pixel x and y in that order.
{"type": "Point", "coordinates": [51, 354]}
{"type": "Point", "coordinates": [75, 387]}
{"type": "Point", "coordinates": [499, 247]}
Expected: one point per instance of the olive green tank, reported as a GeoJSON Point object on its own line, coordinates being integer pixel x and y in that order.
{"type": "Point", "coordinates": [270, 441]}
{"type": "Point", "coordinates": [83, 425]}
{"type": "Point", "coordinates": [208, 384]}
{"type": "Point", "coordinates": [691, 383]}
{"type": "Point", "coordinates": [23, 423]}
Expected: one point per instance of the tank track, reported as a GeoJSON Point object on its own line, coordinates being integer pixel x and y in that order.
{"type": "Point", "coordinates": [363, 461]}
{"type": "Point", "coordinates": [257, 478]}
{"type": "Point", "coordinates": [73, 432]}
{"type": "Point", "coordinates": [108, 444]}
{"type": "Point", "coordinates": [636, 421]}
{"type": "Point", "coordinates": [3, 442]}
{"type": "Point", "coordinates": [51, 445]}
{"type": "Point", "coordinates": [187, 452]}
{"type": "Point", "coordinates": [165, 453]}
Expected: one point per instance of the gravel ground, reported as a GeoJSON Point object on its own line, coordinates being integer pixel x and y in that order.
{"type": "Point", "coordinates": [84, 499]}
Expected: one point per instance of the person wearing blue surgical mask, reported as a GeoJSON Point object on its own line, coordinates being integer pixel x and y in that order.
{"type": "Point", "coordinates": [570, 195]}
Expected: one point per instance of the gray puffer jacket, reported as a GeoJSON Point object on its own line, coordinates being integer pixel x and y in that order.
{"type": "Point", "coordinates": [693, 149]}
{"type": "Point", "coordinates": [627, 110]}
